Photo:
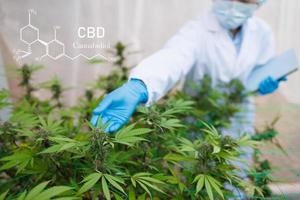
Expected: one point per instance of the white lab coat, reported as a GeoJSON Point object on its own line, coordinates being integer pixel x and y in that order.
{"type": "Point", "coordinates": [202, 47]}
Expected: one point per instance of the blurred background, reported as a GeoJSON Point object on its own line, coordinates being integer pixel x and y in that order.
{"type": "Point", "coordinates": [145, 26]}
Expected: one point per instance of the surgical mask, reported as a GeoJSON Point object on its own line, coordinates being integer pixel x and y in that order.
{"type": "Point", "coordinates": [261, 2]}
{"type": "Point", "coordinates": [233, 14]}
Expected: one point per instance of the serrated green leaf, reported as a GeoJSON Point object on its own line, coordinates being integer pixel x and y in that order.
{"type": "Point", "coordinates": [216, 185]}
{"type": "Point", "coordinates": [22, 196]}
{"type": "Point", "coordinates": [61, 139]}
{"type": "Point", "coordinates": [197, 178]}
{"type": "Point", "coordinates": [177, 157]}
{"type": "Point", "coordinates": [145, 188]}
{"type": "Point", "coordinates": [105, 188]}
{"type": "Point", "coordinates": [145, 181]}
{"type": "Point", "coordinates": [133, 182]}
{"type": "Point", "coordinates": [90, 181]}
{"type": "Point", "coordinates": [117, 197]}
{"type": "Point", "coordinates": [132, 193]}
{"type": "Point", "coordinates": [142, 197]}
{"type": "Point", "coordinates": [171, 123]}
{"type": "Point", "coordinates": [67, 198]}
{"type": "Point", "coordinates": [9, 165]}
{"type": "Point", "coordinates": [129, 136]}
{"type": "Point", "coordinates": [200, 184]}
{"type": "Point", "coordinates": [51, 192]}
{"type": "Point", "coordinates": [3, 195]}
{"type": "Point", "coordinates": [151, 186]}
{"type": "Point", "coordinates": [67, 146]}
{"type": "Point", "coordinates": [36, 190]}
{"type": "Point", "coordinates": [141, 174]}
{"type": "Point", "coordinates": [52, 149]}
{"type": "Point", "coordinates": [113, 181]}
{"type": "Point", "coordinates": [153, 180]}
{"type": "Point", "coordinates": [208, 189]}
{"type": "Point", "coordinates": [19, 156]}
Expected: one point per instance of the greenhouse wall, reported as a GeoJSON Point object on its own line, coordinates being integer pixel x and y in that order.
{"type": "Point", "coordinates": [145, 25]}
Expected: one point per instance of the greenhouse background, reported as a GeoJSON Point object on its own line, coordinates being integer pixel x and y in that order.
{"type": "Point", "coordinates": [145, 25]}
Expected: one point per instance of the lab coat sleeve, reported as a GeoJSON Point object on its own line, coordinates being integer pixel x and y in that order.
{"type": "Point", "coordinates": [162, 70]}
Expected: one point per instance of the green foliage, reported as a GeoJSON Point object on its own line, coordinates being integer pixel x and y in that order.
{"type": "Point", "coordinates": [145, 181]}
{"type": "Point", "coordinates": [129, 136]}
{"type": "Point", "coordinates": [4, 95]}
{"type": "Point", "coordinates": [56, 89]}
{"type": "Point", "coordinates": [119, 75]}
{"type": "Point", "coordinates": [26, 73]}
{"type": "Point", "coordinates": [218, 101]}
{"type": "Point", "coordinates": [40, 192]}
{"type": "Point", "coordinates": [262, 170]}
{"type": "Point", "coordinates": [174, 149]}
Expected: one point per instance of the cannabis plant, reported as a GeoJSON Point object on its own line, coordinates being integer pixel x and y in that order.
{"type": "Point", "coordinates": [218, 101]}
{"type": "Point", "coordinates": [171, 150]}
{"type": "Point", "coordinates": [261, 174]}
{"type": "Point", "coordinates": [26, 72]}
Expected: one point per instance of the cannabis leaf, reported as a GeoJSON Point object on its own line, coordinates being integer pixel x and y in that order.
{"type": "Point", "coordinates": [20, 159]}
{"type": "Point", "coordinates": [145, 181]}
{"type": "Point", "coordinates": [3, 195]}
{"type": "Point", "coordinates": [89, 182]}
{"type": "Point", "coordinates": [25, 120]}
{"type": "Point", "coordinates": [63, 144]}
{"type": "Point", "coordinates": [177, 106]}
{"type": "Point", "coordinates": [171, 124]}
{"type": "Point", "coordinates": [50, 125]}
{"type": "Point", "coordinates": [129, 136]}
{"type": "Point", "coordinates": [210, 184]}
{"type": "Point", "coordinates": [4, 95]}
{"type": "Point", "coordinates": [40, 192]}
{"type": "Point", "coordinates": [107, 180]}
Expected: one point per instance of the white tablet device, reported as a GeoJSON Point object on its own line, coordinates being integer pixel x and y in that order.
{"type": "Point", "coordinates": [278, 67]}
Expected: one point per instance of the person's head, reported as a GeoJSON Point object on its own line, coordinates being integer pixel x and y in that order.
{"type": "Point", "coordinates": [232, 14]}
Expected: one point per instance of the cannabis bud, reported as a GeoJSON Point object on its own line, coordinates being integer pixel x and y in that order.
{"type": "Point", "coordinates": [265, 165]}
{"type": "Point", "coordinates": [228, 143]}
{"type": "Point", "coordinates": [89, 95]}
{"type": "Point", "coordinates": [205, 150]}
{"type": "Point", "coordinates": [7, 128]}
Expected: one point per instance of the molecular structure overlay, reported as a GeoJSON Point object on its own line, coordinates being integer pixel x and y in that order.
{"type": "Point", "coordinates": [53, 49]}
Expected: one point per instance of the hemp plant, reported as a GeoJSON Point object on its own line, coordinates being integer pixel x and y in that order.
{"type": "Point", "coordinates": [56, 89]}
{"type": "Point", "coordinates": [218, 101]}
{"type": "Point", "coordinates": [174, 149]}
{"type": "Point", "coordinates": [261, 174]}
{"type": "Point", "coordinates": [26, 72]}
{"type": "Point", "coordinates": [4, 96]}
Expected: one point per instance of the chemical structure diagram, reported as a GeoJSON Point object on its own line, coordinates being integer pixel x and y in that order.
{"type": "Point", "coordinates": [53, 49]}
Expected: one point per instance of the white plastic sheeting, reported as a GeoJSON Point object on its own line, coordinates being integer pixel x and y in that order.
{"type": "Point", "coordinates": [144, 24]}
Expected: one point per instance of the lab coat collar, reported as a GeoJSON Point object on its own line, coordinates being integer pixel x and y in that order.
{"type": "Point", "coordinates": [212, 24]}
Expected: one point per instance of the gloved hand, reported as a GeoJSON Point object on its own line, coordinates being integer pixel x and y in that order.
{"type": "Point", "coordinates": [269, 85]}
{"type": "Point", "coordinates": [117, 107]}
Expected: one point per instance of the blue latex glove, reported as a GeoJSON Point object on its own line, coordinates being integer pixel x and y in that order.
{"type": "Point", "coordinates": [117, 107]}
{"type": "Point", "coordinates": [269, 85]}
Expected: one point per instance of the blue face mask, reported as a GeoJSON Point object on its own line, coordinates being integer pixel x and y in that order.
{"type": "Point", "coordinates": [233, 14]}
